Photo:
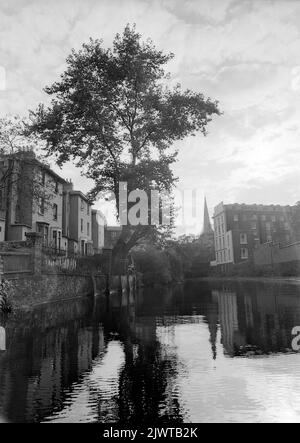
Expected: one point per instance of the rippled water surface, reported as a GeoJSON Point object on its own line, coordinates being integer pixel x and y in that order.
{"type": "Point", "coordinates": [201, 352]}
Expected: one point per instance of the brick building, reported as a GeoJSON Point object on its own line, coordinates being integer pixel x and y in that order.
{"type": "Point", "coordinates": [111, 236]}
{"type": "Point", "coordinates": [33, 198]}
{"type": "Point", "coordinates": [77, 221]}
{"type": "Point", "coordinates": [240, 228]}
{"type": "Point", "coordinates": [30, 200]}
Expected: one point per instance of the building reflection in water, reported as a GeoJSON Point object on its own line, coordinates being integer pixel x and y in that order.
{"type": "Point", "coordinates": [257, 318]}
{"type": "Point", "coordinates": [2, 339]}
{"type": "Point", "coordinates": [53, 350]}
{"type": "Point", "coordinates": [116, 360]}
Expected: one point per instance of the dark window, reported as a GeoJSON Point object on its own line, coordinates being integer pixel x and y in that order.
{"type": "Point", "coordinates": [55, 211]}
{"type": "Point", "coordinates": [81, 225]}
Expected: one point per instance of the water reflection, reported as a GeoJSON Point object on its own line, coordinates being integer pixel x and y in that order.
{"type": "Point", "coordinates": [163, 355]}
{"type": "Point", "coordinates": [258, 319]}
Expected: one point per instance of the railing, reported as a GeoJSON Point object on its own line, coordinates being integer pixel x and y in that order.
{"type": "Point", "coordinates": [59, 263]}
{"type": "Point", "coordinates": [52, 251]}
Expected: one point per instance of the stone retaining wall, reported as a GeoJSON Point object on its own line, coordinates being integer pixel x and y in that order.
{"type": "Point", "coordinates": [30, 290]}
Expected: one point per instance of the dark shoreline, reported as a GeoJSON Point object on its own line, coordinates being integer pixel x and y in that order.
{"type": "Point", "coordinates": [293, 280]}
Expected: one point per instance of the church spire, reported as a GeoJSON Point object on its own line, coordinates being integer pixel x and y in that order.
{"type": "Point", "coordinates": [207, 229]}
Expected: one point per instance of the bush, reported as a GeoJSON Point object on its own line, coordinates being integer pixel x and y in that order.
{"type": "Point", "coordinates": [157, 266]}
{"type": "Point", "coordinates": [6, 296]}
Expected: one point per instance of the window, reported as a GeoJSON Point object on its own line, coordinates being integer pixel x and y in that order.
{"type": "Point", "coordinates": [81, 225]}
{"type": "Point", "coordinates": [254, 217]}
{"type": "Point", "coordinates": [253, 225]}
{"type": "Point", "coordinates": [243, 239]}
{"type": "Point", "coordinates": [286, 226]}
{"type": "Point", "coordinates": [81, 205]}
{"type": "Point", "coordinates": [268, 226]}
{"type": "Point", "coordinates": [55, 211]}
{"type": "Point", "coordinates": [236, 218]}
{"type": "Point", "coordinates": [88, 228]}
{"type": "Point", "coordinates": [263, 217]}
{"type": "Point", "coordinates": [269, 237]}
{"type": "Point", "coordinates": [273, 218]}
{"type": "Point", "coordinates": [244, 253]}
{"type": "Point", "coordinates": [88, 209]}
{"type": "Point", "coordinates": [56, 187]}
{"type": "Point", "coordinates": [41, 205]}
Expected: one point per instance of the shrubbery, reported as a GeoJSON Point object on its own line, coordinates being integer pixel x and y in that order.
{"type": "Point", "coordinates": [158, 266]}
{"type": "Point", "coordinates": [6, 296]}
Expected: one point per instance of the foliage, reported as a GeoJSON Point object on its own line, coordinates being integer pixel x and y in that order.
{"type": "Point", "coordinates": [6, 296]}
{"type": "Point", "coordinates": [157, 266]}
{"type": "Point", "coordinates": [114, 115]}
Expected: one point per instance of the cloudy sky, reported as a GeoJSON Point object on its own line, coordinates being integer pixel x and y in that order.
{"type": "Point", "coordinates": [245, 53]}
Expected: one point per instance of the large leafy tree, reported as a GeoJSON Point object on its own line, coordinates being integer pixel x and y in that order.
{"type": "Point", "coordinates": [113, 113]}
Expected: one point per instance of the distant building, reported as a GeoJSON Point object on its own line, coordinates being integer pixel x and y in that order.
{"type": "Point", "coordinates": [207, 229]}
{"type": "Point", "coordinates": [31, 199]}
{"type": "Point", "coordinates": [240, 228]}
{"type": "Point", "coordinates": [204, 250]}
{"type": "Point", "coordinates": [98, 228]}
{"type": "Point", "coordinates": [111, 236]}
{"type": "Point", "coordinates": [77, 221]}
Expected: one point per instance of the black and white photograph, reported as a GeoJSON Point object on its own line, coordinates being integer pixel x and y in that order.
{"type": "Point", "coordinates": [149, 214]}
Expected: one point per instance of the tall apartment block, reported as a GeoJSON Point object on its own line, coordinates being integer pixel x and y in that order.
{"type": "Point", "coordinates": [240, 228]}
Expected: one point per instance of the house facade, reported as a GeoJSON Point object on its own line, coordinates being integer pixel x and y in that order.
{"type": "Point", "coordinates": [77, 221]}
{"type": "Point", "coordinates": [240, 228]}
{"type": "Point", "coordinates": [31, 200]}
{"type": "Point", "coordinates": [111, 236]}
{"type": "Point", "coordinates": [98, 228]}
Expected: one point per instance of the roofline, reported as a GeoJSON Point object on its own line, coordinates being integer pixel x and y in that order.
{"type": "Point", "coordinates": [33, 160]}
{"type": "Point", "coordinates": [81, 195]}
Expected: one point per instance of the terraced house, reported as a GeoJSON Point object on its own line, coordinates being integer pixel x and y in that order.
{"type": "Point", "coordinates": [77, 221]}
{"type": "Point", "coordinates": [31, 200]}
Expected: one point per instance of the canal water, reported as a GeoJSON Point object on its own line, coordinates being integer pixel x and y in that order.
{"type": "Point", "coordinates": [200, 352]}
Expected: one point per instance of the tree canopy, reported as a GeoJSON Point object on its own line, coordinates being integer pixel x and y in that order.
{"type": "Point", "coordinates": [113, 113]}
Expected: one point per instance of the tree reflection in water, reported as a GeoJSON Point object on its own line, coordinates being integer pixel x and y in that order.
{"type": "Point", "coordinates": [52, 358]}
